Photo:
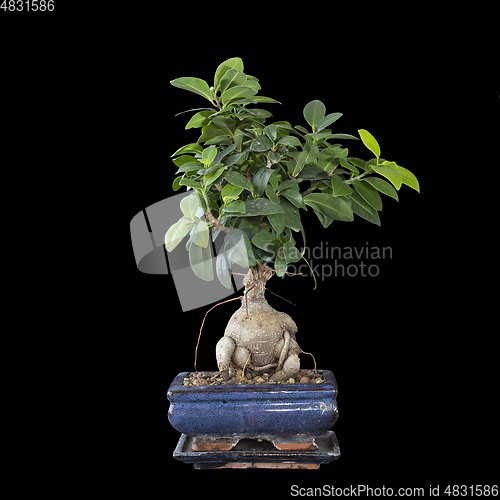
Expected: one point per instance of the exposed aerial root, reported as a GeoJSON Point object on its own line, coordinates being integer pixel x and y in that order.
{"type": "Point", "coordinates": [308, 353]}
{"type": "Point", "coordinates": [203, 322]}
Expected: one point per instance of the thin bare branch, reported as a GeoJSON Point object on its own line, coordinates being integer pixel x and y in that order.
{"type": "Point", "coordinates": [269, 290]}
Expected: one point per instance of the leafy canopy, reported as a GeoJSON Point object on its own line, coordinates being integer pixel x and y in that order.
{"type": "Point", "coordinates": [251, 180]}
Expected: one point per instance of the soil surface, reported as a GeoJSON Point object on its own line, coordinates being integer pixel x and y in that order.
{"type": "Point", "coordinates": [201, 379]}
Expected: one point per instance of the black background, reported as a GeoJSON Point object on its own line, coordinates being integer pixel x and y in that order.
{"type": "Point", "coordinates": [413, 405]}
{"type": "Point", "coordinates": [412, 349]}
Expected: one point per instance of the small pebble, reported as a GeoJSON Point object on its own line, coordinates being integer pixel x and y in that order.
{"type": "Point", "coordinates": [202, 379]}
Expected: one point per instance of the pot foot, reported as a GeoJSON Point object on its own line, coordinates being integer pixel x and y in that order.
{"type": "Point", "coordinates": [261, 465]}
{"type": "Point", "coordinates": [200, 444]}
{"type": "Point", "coordinates": [284, 453]}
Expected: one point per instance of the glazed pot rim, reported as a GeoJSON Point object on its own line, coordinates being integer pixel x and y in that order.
{"type": "Point", "coordinates": [328, 376]}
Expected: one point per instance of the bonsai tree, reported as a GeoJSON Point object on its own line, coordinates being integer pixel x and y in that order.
{"type": "Point", "coordinates": [251, 181]}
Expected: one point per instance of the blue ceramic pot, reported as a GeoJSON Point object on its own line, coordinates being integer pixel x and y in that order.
{"type": "Point", "coordinates": [253, 411]}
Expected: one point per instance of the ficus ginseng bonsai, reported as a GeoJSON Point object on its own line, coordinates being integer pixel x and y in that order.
{"type": "Point", "coordinates": [251, 181]}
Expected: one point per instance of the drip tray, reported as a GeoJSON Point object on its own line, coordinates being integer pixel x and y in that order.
{"type": "Point", "coordinates": [255, 454]}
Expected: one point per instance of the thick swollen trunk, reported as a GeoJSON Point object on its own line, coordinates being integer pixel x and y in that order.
{"type": "Point", "coordinates": [258, 336]}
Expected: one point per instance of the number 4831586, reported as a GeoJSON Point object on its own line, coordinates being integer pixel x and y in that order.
{"type": "Point", "coordinates": [27, 5]}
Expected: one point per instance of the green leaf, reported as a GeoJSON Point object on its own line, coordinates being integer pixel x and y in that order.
{"type": "Point", "coordinates": [232, 78]}
{"type": "Point", "coordinates": [341, 136]}
{"type": "Point", "coordinates": [368, 193]}
{"type": "Point", "coordinates": [327, 160]}
{"type": "Point", "coordinates": [176, 184]}
{"type": "Point", "coordinates": [195, 85]}
{"type": "Point", "coordinates": [335, 208]}
{"type": "Point", "coordinates": [273, 180]}
{"type": "Point", "coordinates": [181, 160]}
{"type": "Point", "coordinates": [190, 205]}
{"type": "Point", "coordinates": [236, 179]}
{"type": "Point", "coordinates": [339, 187]}
{"type": "Point", "coordinates": [271, 194]}
{"type": "Point", "coordinates": [190, 166]}
{"type": "Point", "coordinates": [277, 222]}
{"type": "Point", "coordinates": [370, 142]}
{"type": "Point", "coordinates": [263, 99]}
{"type": "Point", "coordinates": [237, 206]}
{"type": "Point", "coordinates": [223, 269]}
{"type": "Point", "coordinates": [292, 166]}
{"type": "Point", "coordinates": [260, 180]}
{"type": "Point", "coordinates": [230, 160]}
{"type": "Point", "coordinates": [314, 112]}
{"type": "Point", "coordinates": [199, 119]}
{"type": "Point", "coordinates": [389, 173]}
{"type": "Point", "coordinates": [237, 93]}
{"type": "Point", "coordinates": [233, 63]}
{"type": "Point", "coordinates": [339, 152]}
{"type": "Point", "coordinates": [289, 140]}
{"type": "Point", "coordinates": [261, 206]}
{"type": "Point", "coordinates": [224, 152]}
{"type": "Point", "coordinates": [175, 234]}
{"type": "Point", "coordinates": [291, 253]}
{"type": "Point", "coordinates": [328, 120]}
{"type": "Point", "coordinates": [200, 259]}
{"type": "Point", "coordinates": [210, 178]}
{"type": "Point", "coordinates": [189, 148]}
{"type": "Point", "coordinates": [358, 162]}
{"type": "Point", "coordinates": [211, 133]}
{"type": "Point", "coordinates": [225, 124]}
{"type": "Point", "coordinates": [266, 241]}
{"type": "Point", "coordinates": [289, 184]}
{"type": "Point", "coordinates": [271, 131]}
{"type": "Point", "coordinates": [230, 192]}
{"type": "Point", "coordinates": [310, 152]}
{"type": "Point", "coordinates": [280, 265]}
{"type": "Point", "coordinates": [312, 172]}
{"type": "Point", "coordinates": [189, 183]}
{"type": "Point", "coordinates": [294, 197]}
{"type": "Point", "coordinates": [325, 221]}
{"type": "Point", "coordinates": [239, 249]}
{"type": "Point", "coordinates": [408, 178]}
{"type": "Point", "coordinates": [315, 138]}
{"type": "Point", "coordinates": [208, 155]}
{"type": "Point", "coordinates": [347, 165]}
{"type": "Point", "coordinates": [200, 234]}
{"type": "Point", "coordinates": [261, 144]}
{"type": "Point", "coordinates": [361, 208]}
{"type": "Point", "coordinates": [290, 217]}
{"type": "Point", "coordinates": [382, 186]}
{"type": "Point", "coordinates": [253, 84]}
{"type": "Point", "coordinates": [274, 156]}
